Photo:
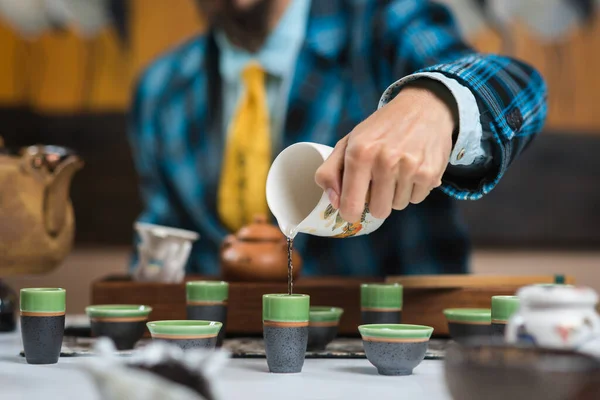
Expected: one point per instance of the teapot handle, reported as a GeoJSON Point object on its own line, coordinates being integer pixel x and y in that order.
{"type": "Point", "coordinates": [511, 334]}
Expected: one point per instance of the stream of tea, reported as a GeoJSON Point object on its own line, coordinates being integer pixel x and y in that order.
{"type": "Point", "coordinates": [290, 245]}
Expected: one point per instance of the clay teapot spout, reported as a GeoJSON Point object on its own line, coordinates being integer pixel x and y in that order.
{"type": "Point", "coordinates": [54, 168]}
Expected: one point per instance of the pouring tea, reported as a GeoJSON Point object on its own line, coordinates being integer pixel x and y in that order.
{"type": "Point", "coordinates": [300, 205]}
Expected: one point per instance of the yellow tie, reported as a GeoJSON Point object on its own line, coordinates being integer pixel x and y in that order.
{"type": "Point", "coordinates": [247, 155]}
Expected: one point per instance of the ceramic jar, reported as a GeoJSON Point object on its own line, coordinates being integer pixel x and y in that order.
{"type": "Point", "coordinates": [554, 316]}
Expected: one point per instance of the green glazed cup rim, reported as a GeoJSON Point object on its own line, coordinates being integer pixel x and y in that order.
{"type": "Point", "coordinates": [43, 300]}
{"type": "Point", "coordinates": [207, 291]}
{"type": "Point", "coordinates": [117, 310]}
{"type": "Point", "coordinates": [503, 307]}
{"type": "Point", "coordinates": [480, 315]}
{"type": "Point", "coordinates": [283, 307]}
{"type": "Point", "coordinates": [285, 296]}
{"type": "Point", "coordinates": [207, 283]}
{"type": "Point", "coordinates": [184, 327]}
{"type": "Point", "coordinates": [396, 331]}
{"type": "Point", "coordinates": [381, 296]}
{"type": "Point", "coordinates": [324, 313]}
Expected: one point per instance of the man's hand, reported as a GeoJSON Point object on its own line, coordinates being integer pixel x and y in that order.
{"type": "Point", "coordinates": [400, 153]}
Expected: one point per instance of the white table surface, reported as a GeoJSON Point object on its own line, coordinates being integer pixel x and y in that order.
{"type": "Point", "coordinates": [241, 379]}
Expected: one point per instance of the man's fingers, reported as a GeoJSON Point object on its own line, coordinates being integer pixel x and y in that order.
{"type": "Point", "coordinates": [419, 193]}
{"type": "Point", "coordinates": [329, 174]}
{"type": "Point", "coordinates": [402, 194]}
{"type": "Point", "coordinates": [355, 182]}
{"type": "Point", "coordinates": [383, 186]}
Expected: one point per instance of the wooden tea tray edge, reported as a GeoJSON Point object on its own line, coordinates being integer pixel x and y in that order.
{"type": "Point", "coordinates": [472, 281]}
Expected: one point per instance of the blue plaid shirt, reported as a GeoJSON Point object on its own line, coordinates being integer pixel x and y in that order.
{"type": "Point", "coordinates": [352, 52]}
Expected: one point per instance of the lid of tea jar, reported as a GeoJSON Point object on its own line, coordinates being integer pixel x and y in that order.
{"type": "Point", "coordinates": [557, 294]}
{"type": "Point", "coordinates": [260, 230]}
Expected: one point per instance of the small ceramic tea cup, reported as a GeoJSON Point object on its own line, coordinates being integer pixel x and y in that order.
{"type": "Point", "coordinates": [395, 349]}
{"type": "Point", "coordinates": [125, 324]}
{"type": "Point", "coordinates": [207, 300]}
{"type": "Point", "coordinates": [381, 303]}
{"type": "Point", "coordinates": [42, 324]}
{"type": "Point", "coordinates": [186, 334]}
{"type": "Point", "coordinates": [322, 326]}
{"type": "Point", "coordinates": [503, 307]}
{"type": "Point", "coordinates": [299, 204]}
{"type": "Point", "coordinates": [285, 331]}
{"type": "Point", "coordinates": [163, 252]}
{"type": "Point", "coordinates": [468, 323]}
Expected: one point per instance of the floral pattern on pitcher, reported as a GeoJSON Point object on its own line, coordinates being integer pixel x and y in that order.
{"type": "Point", "coordinates": [335, 220]}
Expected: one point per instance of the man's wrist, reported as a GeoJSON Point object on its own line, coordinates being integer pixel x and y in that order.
{"type": "Point", "coordinates": [440, 94]}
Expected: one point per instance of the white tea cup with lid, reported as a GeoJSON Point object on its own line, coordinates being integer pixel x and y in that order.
{"type": "Point", "coordinates": [300, 205]}
{"type": "Point", "coordinates": [555, 316]}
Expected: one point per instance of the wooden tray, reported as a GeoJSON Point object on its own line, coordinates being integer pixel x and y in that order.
{"type": "Point", "coordinates": [425, 297]}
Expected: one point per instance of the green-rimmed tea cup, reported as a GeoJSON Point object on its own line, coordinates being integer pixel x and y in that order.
{"type": "Point", "coordinates": [42, 323]}
{"type": "Point", "coordinates": [381, 303]}
{"type": "Point", "coordinates": [395, 349]}
{"type": "Point", "coordinates": [285, 330]}
{"type": "Point", "coordinates": [468, 323]}
{"type": "Point", "coordinates": [125, 324]}
{"type": "Point", "coordinates": [322, 326]}
{"type": "Point", "coordinates": [207, 300]}
{"type": "Point", "coordinates": [503, 307]}
{"type": "Point", "coordinates": [185, 333]}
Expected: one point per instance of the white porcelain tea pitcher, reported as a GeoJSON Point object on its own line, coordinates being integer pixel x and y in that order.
{"type": "Point", "coordinates": [299, 204]}
{"type": "Point", "coordinates": [555, 316]}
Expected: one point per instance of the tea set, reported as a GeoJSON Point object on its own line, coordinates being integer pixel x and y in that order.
{"type": "Point", "coordinates": [546, 317]}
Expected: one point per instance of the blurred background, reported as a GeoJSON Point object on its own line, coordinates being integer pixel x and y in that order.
{"type": "Point", "coordinates": [66, 79]}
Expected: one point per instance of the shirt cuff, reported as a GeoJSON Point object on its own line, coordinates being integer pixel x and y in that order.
{"type": "Point", "coordinates": [468, 149]}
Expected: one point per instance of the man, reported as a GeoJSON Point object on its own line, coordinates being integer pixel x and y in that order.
{"type": "Point", "coordinates": [416, 116]}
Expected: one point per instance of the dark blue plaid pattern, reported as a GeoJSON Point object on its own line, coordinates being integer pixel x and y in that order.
{"type": "Point", "coordinates": [354, 49]}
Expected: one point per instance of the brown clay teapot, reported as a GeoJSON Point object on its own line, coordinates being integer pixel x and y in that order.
{"type": "Point", "coordinates": [36, 217]}
{"type": "Point", "coordinates": [257, 252]}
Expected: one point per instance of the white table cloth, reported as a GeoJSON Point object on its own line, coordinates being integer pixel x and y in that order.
{"type": "Point", "coordinates": [245, 379]}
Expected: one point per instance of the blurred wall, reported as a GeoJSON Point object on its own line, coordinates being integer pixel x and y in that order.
{"type": "Point", "coordinates": [63, 88]}
{"type": "Point", "coordinates": [64, 72]}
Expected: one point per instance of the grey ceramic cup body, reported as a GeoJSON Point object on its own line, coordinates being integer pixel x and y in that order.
{"type": "Point", "coordinates": [42, 338]}
{"type": "Point", "coordinates": [187, 344]}
{"type": "Point", "coordinates": [395, 358]}
{"type": "Point", "coordinates": [285, 347]}
{"type": "Point", "coordinates": [123, 334]}
{"type": "Point", "coordinates": [498, 329]}
{"type": "Point", "coordinates": [320, 336]}
{"type": "Point", "coordinates": [464, 332]}
{"type": "Point", "coordinates": [381, 317]}
{"type": "Point", "coordinates": [217, 312]}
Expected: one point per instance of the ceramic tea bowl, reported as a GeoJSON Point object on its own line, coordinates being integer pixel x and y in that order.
{"type": "Point", "coordinates": [322, 326]}
{"type": "Point", "coordinates": [500, 371]}
{"type": "Point", "coordinates": [285, 331]}
{"type": "Point", "coordinates": [381, 303]}
{"type": "Point", "coordinates": [125, 324]}
{"type": "Point", "coordinates": [395, 349]}
{"type": "Point", "coordinates": [42, 324]}
{"type": "Point", "coordinates": [207, 301]}
{"type": "Point", "coordinates": [468, 323]}
{"type": "Point", "coordinates": [503, 307]}
{"type": "Point", "coordinates": [186, 334]}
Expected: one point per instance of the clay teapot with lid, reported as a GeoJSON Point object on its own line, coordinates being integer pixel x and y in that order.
{"type": "Point", "coordinates": [257, 252]}
{"type": "Point", "coordinates": [36, 216]}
